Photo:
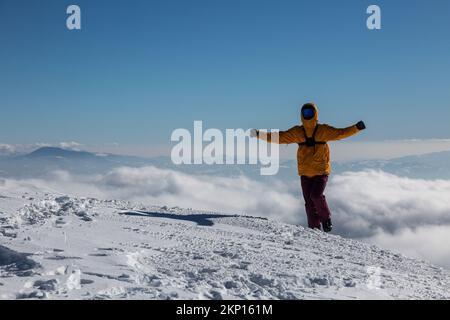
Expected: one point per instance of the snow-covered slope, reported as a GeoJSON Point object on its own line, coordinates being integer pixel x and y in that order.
{"type": "Point", "coordinates": [59, 247]}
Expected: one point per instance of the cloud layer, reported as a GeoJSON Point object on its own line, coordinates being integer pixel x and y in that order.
{"type": "Point", "coordinates": [151, 185]}
{"type": "Point", "coordinates": [411, 216]}
{"type": "Point", "coordinates": [368, 202]}
{"type": "Point", "coordinates": [408, 215]}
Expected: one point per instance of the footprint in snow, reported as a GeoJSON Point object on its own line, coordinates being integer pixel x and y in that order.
{"type": "Point", "coordinates": [99, 255]}
{"type": "Point", "coordinates": [58, 257]}
{"type": "Point", "coordinates": [83, 216]}
{"type": "Point", "coordinates": [46, 285]}
{"type": "Point", "coordinates": [86, 281]}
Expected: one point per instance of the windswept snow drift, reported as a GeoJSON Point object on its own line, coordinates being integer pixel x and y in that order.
{"type": "Point", "coordinates": [60, 247]}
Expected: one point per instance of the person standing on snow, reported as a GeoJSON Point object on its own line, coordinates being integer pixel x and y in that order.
{"type": "Point", "coordinates": [313, 158]}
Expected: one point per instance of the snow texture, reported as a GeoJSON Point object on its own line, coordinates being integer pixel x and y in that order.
{"type": "Point", "coordinates": [56, 246]}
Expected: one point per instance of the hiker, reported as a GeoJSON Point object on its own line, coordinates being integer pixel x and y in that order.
{"type": "Point", "coordinates": [313, 159]}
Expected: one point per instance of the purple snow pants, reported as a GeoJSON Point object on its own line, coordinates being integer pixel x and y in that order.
{"type": "Point", "coordinates": [316, 205]}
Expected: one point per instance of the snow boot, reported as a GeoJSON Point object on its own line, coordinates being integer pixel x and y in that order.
{"type": "Point", "coordinates": [327, 226]}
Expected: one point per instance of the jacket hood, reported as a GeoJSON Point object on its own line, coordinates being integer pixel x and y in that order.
{"type": "Point", "coordinates": [311, 123]}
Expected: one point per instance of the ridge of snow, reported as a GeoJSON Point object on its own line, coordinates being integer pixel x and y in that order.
{"type": "Point", "coordinates": [61, 247]}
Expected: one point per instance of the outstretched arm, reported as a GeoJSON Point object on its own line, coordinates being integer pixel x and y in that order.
{"type": "Point", "coordinates": [293, 135]}
{"type": "Point", "coordinates": [332, 134]}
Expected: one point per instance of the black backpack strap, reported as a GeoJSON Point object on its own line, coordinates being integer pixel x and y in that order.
{"type": "Point", "coordinates": [304, 133]}
{"type": "Point", "coordinates": [314, 136]}
{"type": "Point", "coordinates": [311, 142]}
{"type": "Point", "coordinates": [314, 132]}
{"type": "Point", "coordinates": [306, 137]}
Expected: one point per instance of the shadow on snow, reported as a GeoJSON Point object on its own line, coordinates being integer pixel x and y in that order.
{"type": "Point", "coordinates": [199, 219]}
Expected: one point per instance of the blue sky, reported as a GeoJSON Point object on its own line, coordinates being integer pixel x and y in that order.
{"type": "Point", "coordinates": [139, 69]}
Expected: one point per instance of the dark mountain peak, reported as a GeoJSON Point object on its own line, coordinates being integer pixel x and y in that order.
{"type": "Point", "coordinates": [58, 152]}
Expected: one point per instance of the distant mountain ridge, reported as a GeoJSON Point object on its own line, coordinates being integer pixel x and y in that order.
{"type": "Point", "coordinates": [40, 162]}
{"type": "Point", "coordinates": [57, 152]}
{"type": "Point", "coordinates": [44, 160]}
{"type": "Point", "coordinates": [434, 165]}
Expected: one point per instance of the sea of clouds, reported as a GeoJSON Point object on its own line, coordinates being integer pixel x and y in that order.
{"type": "Point", "coordinates": [411, 216]}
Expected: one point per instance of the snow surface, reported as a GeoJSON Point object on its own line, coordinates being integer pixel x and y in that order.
{"type": "Point", "coordinates": [55, 246]}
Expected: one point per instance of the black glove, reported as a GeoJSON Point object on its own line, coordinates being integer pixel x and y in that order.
{"type": "Point", "coordinates": [361, 125]}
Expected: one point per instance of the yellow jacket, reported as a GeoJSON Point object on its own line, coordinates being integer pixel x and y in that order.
{"type": "Point", "coordinates": [312, 161]}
